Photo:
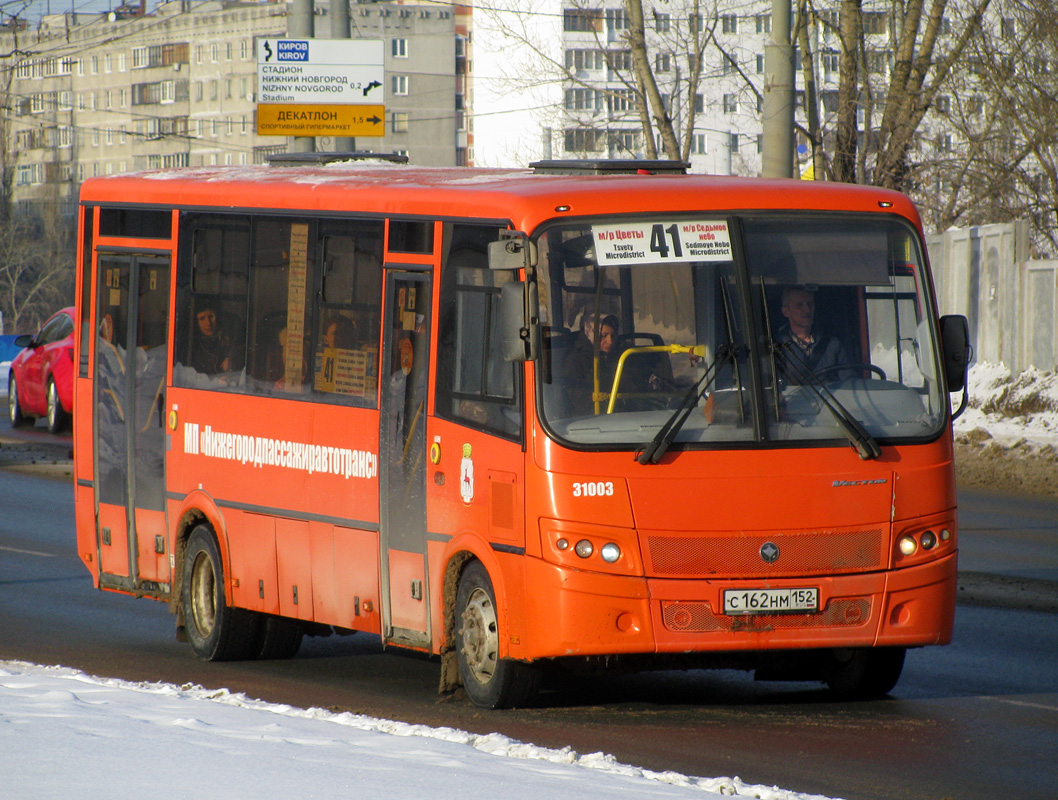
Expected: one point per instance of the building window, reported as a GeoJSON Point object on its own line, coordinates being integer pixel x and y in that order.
{"type": "Point", "coordinates": [228, 51]}
{"type": "Point", "coordinates": [699, 144]}
{"type": "Point", "coordinates": [107, 63]}
{"type": "Point", "coordinates": [663, 62]}
{"type": "Point", "coordinates": [874, 22]}
{"type": "Point", "coordinates": [730, 104]}
{"type": "Point", "coordinates": [729, 23]}
{"type": "Point", "coordinates": [580, 140]}
{"type": "Point", "coordinates": [943, 103]}
{"type": "Point", "coordinates": [580, 99]}
{"type": "Point", "coordinates": [400, 122]}
{"type": "Point", "coordinates": [582, 19]}
{"type": "Point", "coordinates": [764, 23]}
{"type": "Point", "coordinates": [578, 60]}
{"type": "Point", "coordinates": [760, 63]}
{"type": "Point", "coordinates": [400, 48]}
{"type": "Point", "coordinates": [616, 19]}
{"type": "Point", "coordinates": [732, 142]}
{"type": "Point", "coordinates": [662, 22]}
{"type": "Point", "coordinates": [400, 85]}
{"type": "Point", "coordinates": [213, 53]}
{"type": "Point", "coordinates": [121, 62]}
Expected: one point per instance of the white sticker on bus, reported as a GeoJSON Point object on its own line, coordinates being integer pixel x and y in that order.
{"type": "Point", "coordinates": [662, 242]}
{"type": "Point", "coordinates": [262, 451]}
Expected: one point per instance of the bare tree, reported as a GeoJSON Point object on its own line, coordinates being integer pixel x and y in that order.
{"type": "Point", "coordinates": [893, 60]}
{"type": "Point", "coordinates": [36, 270]}
{"type": "Point", "coordinates": [996, 154]}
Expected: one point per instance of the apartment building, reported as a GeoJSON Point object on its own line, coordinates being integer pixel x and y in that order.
{"type": "Point", "coordinates": [175, 85]}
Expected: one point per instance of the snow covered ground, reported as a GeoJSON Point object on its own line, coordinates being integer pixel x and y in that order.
{"type": "Point", "coordinates": [66, 734]}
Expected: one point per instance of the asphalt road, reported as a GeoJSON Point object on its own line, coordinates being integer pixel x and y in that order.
{"type": "Point", "coordinates": [977, 719]}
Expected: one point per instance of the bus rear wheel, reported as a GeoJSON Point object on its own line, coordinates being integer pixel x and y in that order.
{"type": "Point", "coordinates": [216, 631]}
{"type": "Point", "coordinates": [866, 673]}
{"type": "Point", "coordinates": [489, 681]}
{"type": "Point", "coordinates": [278, 637]}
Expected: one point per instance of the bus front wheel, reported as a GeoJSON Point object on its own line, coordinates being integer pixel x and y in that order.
{"type": "Point", "coordinates": [216, 631]}
{"type": "Point", "coordinates": [489, 681]}
{"type": "Point", "coordinates": [866, 673]}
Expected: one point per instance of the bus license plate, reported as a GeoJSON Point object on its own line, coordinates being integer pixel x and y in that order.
{"type": "Point", "coordinates": [770, 601]}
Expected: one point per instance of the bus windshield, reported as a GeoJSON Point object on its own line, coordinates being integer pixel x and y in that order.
{"type": "Point", "coordinates": [718, 330]}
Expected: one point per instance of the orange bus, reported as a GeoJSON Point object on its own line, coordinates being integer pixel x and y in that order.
{"type": "Point", "coordinates": [577, 415]}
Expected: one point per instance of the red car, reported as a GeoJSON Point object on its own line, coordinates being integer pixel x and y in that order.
{"type": "Point", "coordinates": [41, 380]}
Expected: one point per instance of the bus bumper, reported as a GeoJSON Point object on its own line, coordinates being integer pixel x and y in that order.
{"type": "Point", "coordinates": [573, 613]}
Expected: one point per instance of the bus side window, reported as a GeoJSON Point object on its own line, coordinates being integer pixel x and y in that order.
{"type": "Point", "coordinates": [211, 335]}
{"type": "Point", "coordinates": [475, 385]}
{"type": "Point", "coordinates": [348, 313]}
{"type": "Point", "coordinates": [278, 304]}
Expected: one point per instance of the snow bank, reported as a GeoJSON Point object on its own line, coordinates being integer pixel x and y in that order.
{"type": "Point", "coordinates": [61, 729]}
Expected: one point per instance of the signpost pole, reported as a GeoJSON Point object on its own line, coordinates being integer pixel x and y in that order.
{"type": "Point", "coordinates": [301, 25]}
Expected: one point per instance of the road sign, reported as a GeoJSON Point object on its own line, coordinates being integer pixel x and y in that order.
{"type": "Point", "coordinates": [320, 120]}
{"type": "Point", "coordinates": [315, 71]}
{"type": "Point", "coordinates": [320, 87]}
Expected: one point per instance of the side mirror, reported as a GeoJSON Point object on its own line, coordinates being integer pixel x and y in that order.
{"type": "Point", "coordinates": [955, 344]}
{"type": "Point", "coordinates": [512, 251]}
{"type": "Point", "coordinates": [25, 340]}
{"type": "Point", "coordinates": [518, 328]}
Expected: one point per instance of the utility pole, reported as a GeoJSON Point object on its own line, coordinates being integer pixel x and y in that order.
{"type": "Point", "coordinates": [301, 25]}
{"type": "Point", "coordinates": [778, 145]}
{"type": "Point", "coordinates": [340, 30]}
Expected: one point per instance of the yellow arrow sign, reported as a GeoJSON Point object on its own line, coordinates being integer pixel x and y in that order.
{"type": "Point", "coordinates": [320, 120]}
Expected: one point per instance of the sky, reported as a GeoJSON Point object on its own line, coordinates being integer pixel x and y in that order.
{"type": "Point", "coordinates": [186, 737]}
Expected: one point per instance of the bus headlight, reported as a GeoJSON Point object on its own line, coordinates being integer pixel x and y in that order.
{"type": "Point", "coordinates": [584, 548]}
{"type": "Point", "coordinates": [908, 546]}
{"type": "Point", "coordinates": [929, 540]}
{"type": "Point", "coordinates": [610, 553]}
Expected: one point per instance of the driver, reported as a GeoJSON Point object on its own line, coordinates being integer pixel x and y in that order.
{"type": "Point", "coordinates": [817, 350]}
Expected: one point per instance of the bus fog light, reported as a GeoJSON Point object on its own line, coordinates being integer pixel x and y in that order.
{"type": "Point", "coordinates": [610, 552]}
{"type": "Point", "coordinates": [584, 548]}
{"type": "Point", "coordinates": [562, 544]}
{"type": "Point", "coordinates": [929, 540]}
{"type": "Point", "coordinates": [907, 545]}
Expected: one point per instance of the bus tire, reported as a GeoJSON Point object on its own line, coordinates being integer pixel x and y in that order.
{"type": "Point", "coordinates": [278, 637]}
{"type": "Point", "coordinates": [216, 631]}
{"type": "Point", "coordinates": [866, 673]}
{"type": "Point", "coordinates": [489, 681]}
{"type": "Point", "coordinates": [14, 408]}
{"type": "Point", "coordinates": [57, 416]}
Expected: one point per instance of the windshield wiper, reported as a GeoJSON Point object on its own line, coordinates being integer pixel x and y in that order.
{"type": "Point", "coordinates": [791, 362]}
{"type": "Point", "coordinates": [652, 452]}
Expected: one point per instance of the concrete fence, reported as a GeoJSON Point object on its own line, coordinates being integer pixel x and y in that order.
{"type": "Point", "coordinates": [984, 272]}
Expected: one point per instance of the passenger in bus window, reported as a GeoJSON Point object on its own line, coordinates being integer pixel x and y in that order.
{"type": "Point", "coordinates": [340, 332]}
{"type": "Point", "coordinates": [577, 370]}
{"type": "Point", "coordinates": [817, 349]}
{"type": "Point", "coordinates": [211, 346]}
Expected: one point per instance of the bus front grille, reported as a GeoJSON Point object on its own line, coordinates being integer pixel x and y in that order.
{"type": "Point", "coordinates": [809, 553]}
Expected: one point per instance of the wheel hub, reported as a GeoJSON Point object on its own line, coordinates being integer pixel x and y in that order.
{"type": "Point", "coordinates": [480, 636]}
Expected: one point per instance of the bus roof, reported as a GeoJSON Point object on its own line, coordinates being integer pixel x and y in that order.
{"type": "Point", "coordinates": [520, 196]}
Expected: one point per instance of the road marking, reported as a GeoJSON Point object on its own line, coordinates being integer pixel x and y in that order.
{"type": "Point", "coordinates": [1022, 703]}
{"type": "Point", "coordinates": [27, 552]}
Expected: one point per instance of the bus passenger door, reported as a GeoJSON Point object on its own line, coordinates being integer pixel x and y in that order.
{"type": "Point", "coordinates": [402, 456]}
{"type": "Point", "coordinates": [131, 346]}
